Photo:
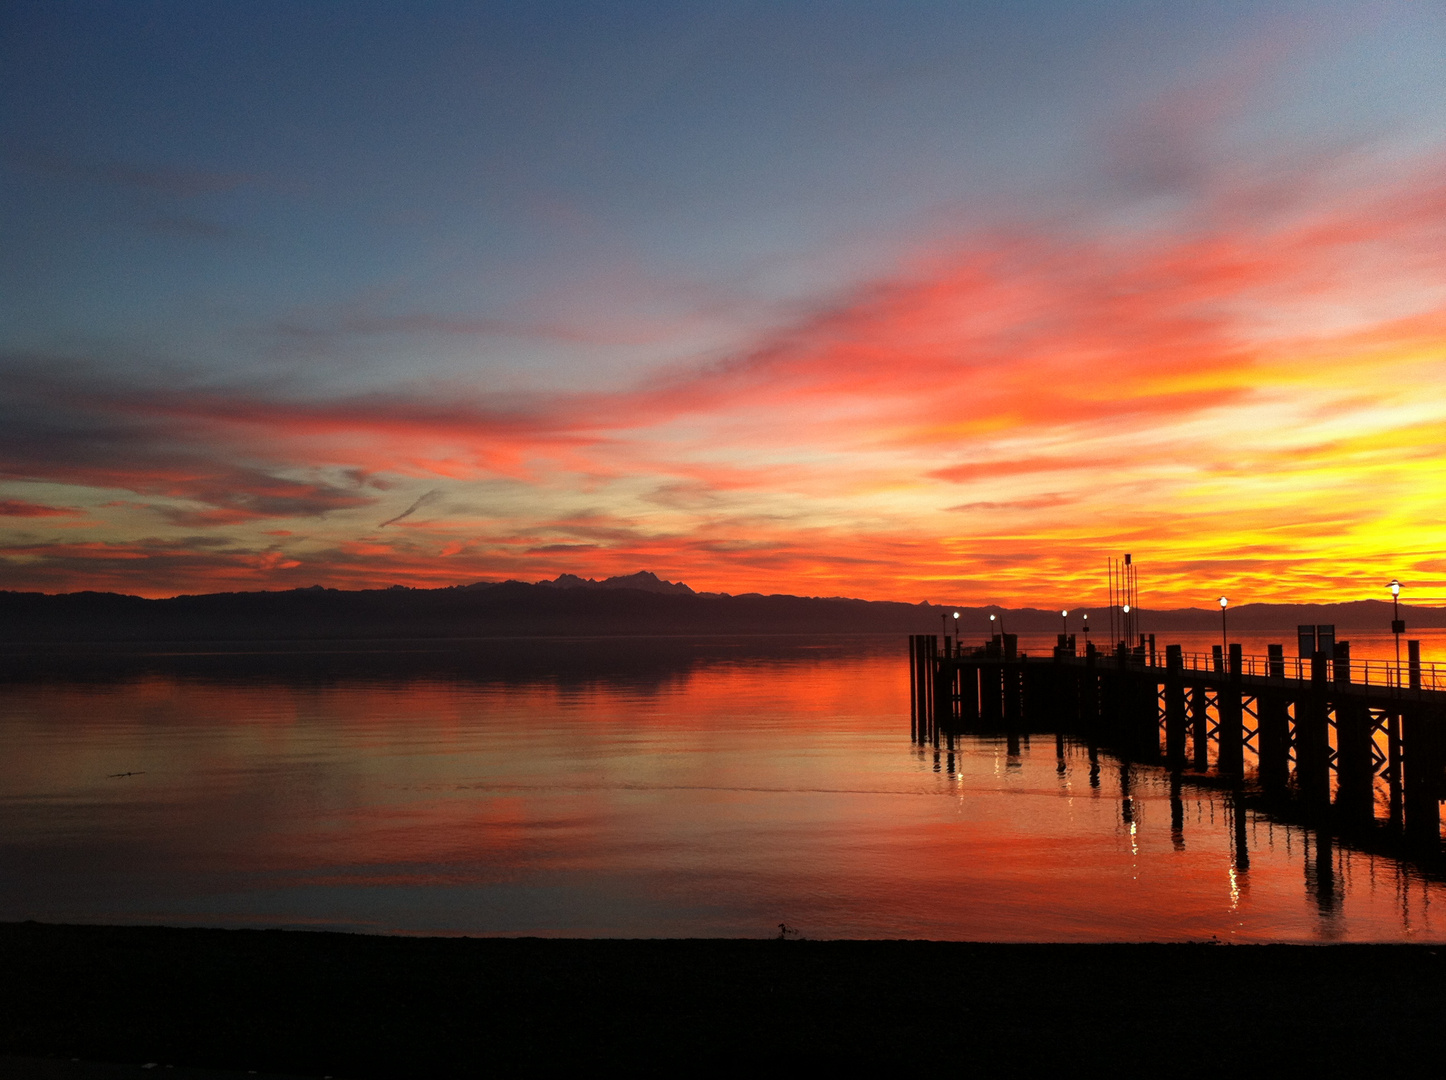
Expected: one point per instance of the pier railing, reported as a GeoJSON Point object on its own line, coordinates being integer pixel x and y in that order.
{"type": "Point", "coordinates": [1387, 673]}
{"type": "Point", "coordinates": [1372, 673]}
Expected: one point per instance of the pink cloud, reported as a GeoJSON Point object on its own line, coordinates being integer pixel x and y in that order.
{"type": "Point", "coordinates": [18, 509]}
{"type": "Point", "coordinates": [1069, 393]}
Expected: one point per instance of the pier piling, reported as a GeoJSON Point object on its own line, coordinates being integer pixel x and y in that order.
{"type": "Point", "coordinates": [1174, 707]}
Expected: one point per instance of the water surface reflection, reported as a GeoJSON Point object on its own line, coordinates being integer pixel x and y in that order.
{"type": "Point", "coordinates": [678, 787]}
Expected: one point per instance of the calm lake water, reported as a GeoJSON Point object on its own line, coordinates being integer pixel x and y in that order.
{"type": "Point", "coordinates": [637, 788]}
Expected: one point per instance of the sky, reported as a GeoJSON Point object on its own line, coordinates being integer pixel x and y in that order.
{"type": "Point", "coordinates": [948, 302]}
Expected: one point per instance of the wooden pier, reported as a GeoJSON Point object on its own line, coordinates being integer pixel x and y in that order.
{"type": "Point", "coordinates": [1339, 751]}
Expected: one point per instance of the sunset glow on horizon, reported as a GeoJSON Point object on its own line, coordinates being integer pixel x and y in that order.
{"type": "Point", "coordinates": [927, 304]}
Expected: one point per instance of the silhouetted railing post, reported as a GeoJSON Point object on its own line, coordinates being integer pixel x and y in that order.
{"type": "Point", "coordinates": [1413, 661]}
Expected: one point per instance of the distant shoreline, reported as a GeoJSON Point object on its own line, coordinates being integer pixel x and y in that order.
{"type": "Point", "coordinates": [515, 610]}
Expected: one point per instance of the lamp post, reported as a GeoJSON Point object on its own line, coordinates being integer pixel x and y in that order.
{"type": "Point", "coordinates": [1398, 626]}
{"type": "Point", "coordinates": [1085, 618]}
{"type": "Point", "coordinates": [1224, 638]}
{"type": "Point", "coordinates": [1064, 621]}
{"type": "Point", "coordinates": [993, 618]}
{"type": "Point", "coordinates": [1126, 630]}
{"type": "Point", "coordinates": [956, 629]}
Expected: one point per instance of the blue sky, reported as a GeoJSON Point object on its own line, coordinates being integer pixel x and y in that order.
{"type": "Point", "coordinates": [555, 210]}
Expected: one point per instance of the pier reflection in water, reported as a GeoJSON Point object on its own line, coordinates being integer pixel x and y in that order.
{"type": "Point", "coordinates": [708, 787]}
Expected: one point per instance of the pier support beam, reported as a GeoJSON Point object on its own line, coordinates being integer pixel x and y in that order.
{"type": "Point", "coordinates": [991, 691]}
{"type": "Point", "coordinates": [926, 657]}
{"type": "Point", "coordinates": [1273, 738]}
{"type": "Point", "coordinates": [1232, 719]}
{"type": "Point", "coordinates": [969, 694]}
{"type": "Point", "coordinates": [943, 696]}
{"type": "Point", "coordinates": [1199, 728]}
{"type": "Point", "coordinates": [1393, 766]}
{"type": "Point", "coordinates": [1174, 707]}
{"type": "Point", "coordinates": [1421, 754]}
{"type": "Point", "coordinates": [1355, 767]}
{"type": "Point", "coordinates": [914, 687]}
{"type": "Point", "coordinates": [1009, 674]}
{"type": "Point", "coordinates": [1312, 739]}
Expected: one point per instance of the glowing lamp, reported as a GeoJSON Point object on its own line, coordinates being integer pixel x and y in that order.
{"type": "Point", "coordinates": [1395, 587]}
{"type": "Point", "coordinates": [1223, 602]}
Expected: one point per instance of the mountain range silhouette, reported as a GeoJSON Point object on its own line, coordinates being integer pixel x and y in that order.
{"type": "Point", "coordinates": [569, 605]}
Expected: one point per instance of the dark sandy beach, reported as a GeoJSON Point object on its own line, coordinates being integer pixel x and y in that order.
{"type": "Point", "coordinates": [314, 1004]}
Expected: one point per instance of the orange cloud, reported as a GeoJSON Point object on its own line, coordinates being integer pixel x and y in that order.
{"type": "Point", "coordinates": [1245, 400]}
